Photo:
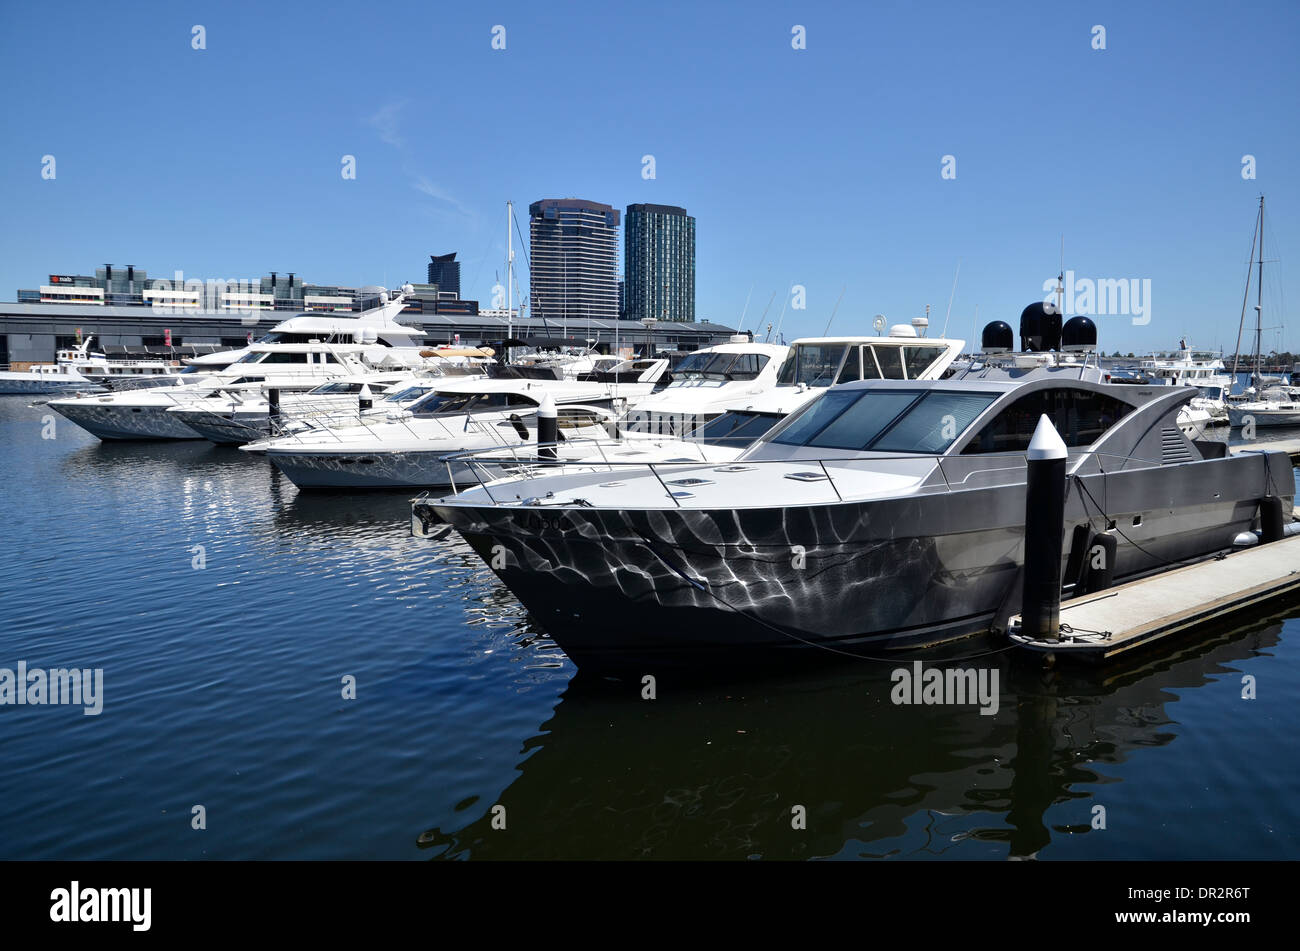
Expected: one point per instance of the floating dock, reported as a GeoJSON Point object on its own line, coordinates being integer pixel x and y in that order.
{"type": "Point", "coordinates": [1097, 627]}
{"type": "Point", "coordinates": [1289, 446]}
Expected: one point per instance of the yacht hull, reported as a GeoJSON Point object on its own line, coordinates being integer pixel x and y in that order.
{"type": "Point", "coordinates": [112, 422]}
{"type": "Point", "coordinates": [1265, 417]}
{"type": "Point", "coordinates": [12, 386]}
{"type": "Point", "coordinates": [229, 429]}
{"type": "Point", "coordinates": [636, 588]}
{"type": "Point", "coordinates": [371, 470]}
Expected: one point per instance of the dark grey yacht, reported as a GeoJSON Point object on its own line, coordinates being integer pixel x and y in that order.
{"type": "Point", "coordinates": [882, 514]}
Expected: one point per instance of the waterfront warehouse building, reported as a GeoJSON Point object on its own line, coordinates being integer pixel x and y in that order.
{"type": "Point", "coordinates": [130, 313]}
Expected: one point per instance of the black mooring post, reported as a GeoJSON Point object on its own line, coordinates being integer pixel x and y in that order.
{"type": "Point", "coordinates": [1040, 612]}
{"type": "Point", "coordinates": [273, 403]}
{"type": "Point", "coordinates": [1270, 519]}
{"type": "Point", "coordinates": [548, 430]}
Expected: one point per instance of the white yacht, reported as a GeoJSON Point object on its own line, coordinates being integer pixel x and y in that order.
{"type": "Point", "coordinates": [41, 378]}
{"type": "Point", "coordinates": [120, 374]}
{"type": "Point", "coordinates": [706, 384]}
{"type": "Point", "coordinates": [409, 449]}
{"type": "Point", "coordinates": [298, 354]}
{"type": "Point", "coordinates": [81, 368]}
{"type": "Point", "coordinates": [243, 413]}
{"type": "Point", "coordinates": [808, 366]}
{"type": "Point", "coordinates": [1203, 369]}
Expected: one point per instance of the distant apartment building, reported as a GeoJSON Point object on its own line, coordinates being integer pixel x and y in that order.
{"type": "Point", "coordinates": [129, 286]}
{"type": "Point", "coordinates": [432, 299]}
{"type": "Point", "coordinates": [573, 260]}
{"type": "Point", "coordinates": [444, 272]}
{"type": "Point", "coordinates": [659, 263]}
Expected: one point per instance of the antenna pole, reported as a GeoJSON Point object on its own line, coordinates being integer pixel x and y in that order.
{"type": "Point", "coordinates": [746, 310]}
{"type": "Point", "coordinates": [834, 309]}
{"type": "Point", "coordinates": [951, 295]}
{"type": "Point", "coordinates": [1060, 281]}
{"type": "Point", "coordinates": [781, 318]}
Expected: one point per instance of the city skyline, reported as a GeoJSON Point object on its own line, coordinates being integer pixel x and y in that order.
{"type": "Point", "coordinates": [1138, 153]}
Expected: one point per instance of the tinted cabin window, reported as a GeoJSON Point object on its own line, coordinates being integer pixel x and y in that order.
{"type": "Point", "coordinates": [747, 366]}
{"type": "Point", "coordinates": [846, 419]}
{"type": "Point", "coordinates": [917, 359]}
{"type": "Point", "coordinates": [891, 364]}
{"type": "Point", "coordinates": [852, 369]}
{"type": "Point", "coordinates": [576, 419]}
{"type": "Point", "coordinates": [1079, 416]}
{"type": "Point", "coordinates": [934, 422]}
{"type": "Point", "coordinates": [737, 428]}
{"type": "Point", "coordinates": [869, 369]}
{"type": "Point", "coordinates": [813, 364]}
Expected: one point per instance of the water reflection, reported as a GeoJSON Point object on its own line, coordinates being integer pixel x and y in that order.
{"type": "Point", "coordinates": [714, 772]}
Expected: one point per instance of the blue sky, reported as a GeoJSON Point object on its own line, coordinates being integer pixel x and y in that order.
{"type": "Point", "coordinates": [819, 167]}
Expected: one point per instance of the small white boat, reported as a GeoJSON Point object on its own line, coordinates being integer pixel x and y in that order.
{"type": "Point", "coordinates": [1277, 406]}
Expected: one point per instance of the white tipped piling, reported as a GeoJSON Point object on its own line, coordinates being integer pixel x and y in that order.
{"type": "Point", "coordinates": [1046, 442]}
{"type": "Point", "coordinates": [1040, 614]}
{"type": "Point", "coordinates": [548, 429]}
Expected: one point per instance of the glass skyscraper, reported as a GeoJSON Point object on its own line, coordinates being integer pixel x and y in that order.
{"type": "Point", "coordinates": [659, 263]}
{"type": "Point", "coordinates": [573, 259]}
{"type": "Point", "coordinates": [444, 270]}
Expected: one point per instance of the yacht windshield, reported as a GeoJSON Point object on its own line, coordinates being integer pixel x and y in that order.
{"type": "Point", "coordinates": [737, 428]}
{"type": "Point", "coordinates": [887, 420]}
{"type": "Point", "coordinates": [437, 404]}
{"type": "Point", "coordinates": [338, 388]}
{"type": "Point", "coordinates": [814, 364]}
{"type": "Point", "coordinates": [406, 394]}
{"type": "Point", "coordinates": [721, 366]}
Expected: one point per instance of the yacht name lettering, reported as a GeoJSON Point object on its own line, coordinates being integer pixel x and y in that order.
{"type": "Point", "coordinates": [61, 686]}
{"type": "Point", "coordinates": [535, 522]}
{"type": "Point", "coordinates": [956, 686]}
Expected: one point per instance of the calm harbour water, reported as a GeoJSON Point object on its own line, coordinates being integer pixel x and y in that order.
{"type": "Point", "coordinates": [222, 687]}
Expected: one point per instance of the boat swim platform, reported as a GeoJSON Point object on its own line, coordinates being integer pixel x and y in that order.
{"type": "Point", "coordinates": [1098, 627]}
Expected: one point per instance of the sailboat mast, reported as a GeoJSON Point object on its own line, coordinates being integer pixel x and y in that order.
{"type": "Point", "coordinates": [510, 270]}
{"type": "Point", "coordinates": [1259, 293]}
{"type": "Point", "coordinates": [1245, 299]}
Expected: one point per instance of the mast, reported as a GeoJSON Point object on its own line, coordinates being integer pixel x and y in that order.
{"type": "Point", "coordinates": [510, 273]}
{"type": "Point", "coordinates": [1259, 293]}
{"type": "Point", "coordinates": [1245, 299]}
